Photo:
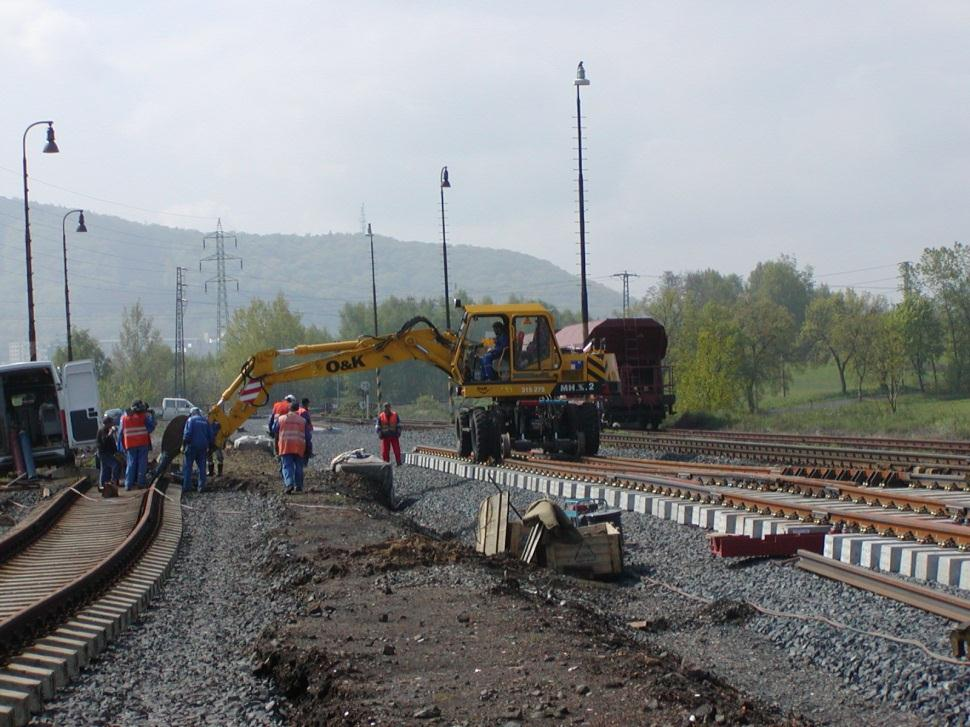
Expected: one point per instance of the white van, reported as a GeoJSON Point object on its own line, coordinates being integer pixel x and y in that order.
{"type": "Point", "coordinates": [59, 412]}
{"type": "Point", "coordinates": [175, 407]}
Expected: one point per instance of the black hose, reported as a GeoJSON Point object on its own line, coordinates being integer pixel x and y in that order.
{"type": "Point", "coordinates": [408, 325]}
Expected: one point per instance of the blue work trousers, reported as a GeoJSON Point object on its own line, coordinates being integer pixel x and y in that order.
{"type": "Point", "coordinates": [292, 466]}
{"type": "Point", "coordinates": [137, 466]}
{"type": "Point", "coordinates": [110, 469]}
{"type": "Point", "coordinates": [197, 456]}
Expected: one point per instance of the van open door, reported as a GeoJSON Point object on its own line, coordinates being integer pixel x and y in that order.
{"type": "Point", "coordinates": [81, 402]}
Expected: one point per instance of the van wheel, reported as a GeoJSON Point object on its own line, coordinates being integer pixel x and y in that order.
{"type": "Point", "coordinates": [482, 435]}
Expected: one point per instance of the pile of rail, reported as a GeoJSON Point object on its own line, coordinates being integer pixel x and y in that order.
{"type": "Point", "coordinates": [932, 463]}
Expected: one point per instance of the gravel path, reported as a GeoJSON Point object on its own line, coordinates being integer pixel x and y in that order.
{"type": "Point", "coordinates": [186, 661]}
{"type": "Point", "coordinates": [878, 671]}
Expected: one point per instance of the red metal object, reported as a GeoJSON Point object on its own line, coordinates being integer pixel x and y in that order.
{"type": "Point", "coordinates": [738, 546]}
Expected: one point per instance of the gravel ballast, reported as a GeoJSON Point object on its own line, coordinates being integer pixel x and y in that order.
{"type": "Point", "coordinates": [759, 654]}
{"type": "Point", "coordinates": [186, 661]}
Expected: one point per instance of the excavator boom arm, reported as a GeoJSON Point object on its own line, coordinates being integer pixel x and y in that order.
{"type": "Point", "coordinates": [250, 389]}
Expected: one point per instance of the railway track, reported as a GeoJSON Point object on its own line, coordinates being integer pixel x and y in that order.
{"type": "Point", "coordinates": [918, 467]}
{"type": "Point", "coordinates": [70, 579]}
{"type": "Point", "coordinates": [929, 517]}
{"type": "Point", "coordinates": [956, 446]}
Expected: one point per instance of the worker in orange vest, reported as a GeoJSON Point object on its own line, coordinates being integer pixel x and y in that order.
{"type": "Point", "coordinates": [279, 409]}
{"type": "Point", "coordinates": [136, 439]}
{"type": "Point", "coordinates": [389, 431]}
{"type": "Point", "coordinates": [293, 436]}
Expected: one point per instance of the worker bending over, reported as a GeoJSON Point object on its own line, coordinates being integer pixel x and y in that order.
{"type": "Point", "coordinates": [196, 439]}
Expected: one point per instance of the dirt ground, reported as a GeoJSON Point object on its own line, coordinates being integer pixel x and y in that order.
{"type": "Point", "coordinates": [400, 626]}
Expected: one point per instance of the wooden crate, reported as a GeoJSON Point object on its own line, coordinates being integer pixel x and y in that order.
{"type": "Point", "coordinates": [599, 553]}
{"type": "Point", "coordinates": [493, 520]}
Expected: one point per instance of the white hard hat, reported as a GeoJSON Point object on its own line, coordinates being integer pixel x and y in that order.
{"type": "Point", "coordinates": [290, 397]}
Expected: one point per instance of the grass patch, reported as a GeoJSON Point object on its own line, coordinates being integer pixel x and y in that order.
{"type": "Point", "coordinates": [918, 415]}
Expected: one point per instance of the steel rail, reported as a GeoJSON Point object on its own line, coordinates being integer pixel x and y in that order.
{"type": "Point", "coordinates": [934, 445]}
{"type": "Point", "coordinates": [42, 521]}
{"type": "Point", "coordinates": [17, 628]}
{"type": "Point", "coordinates": [915, 526]}
{"type": "Point", "coordinates": [803, 454]}
{"type": "Point", "coordinates": [927, 599]}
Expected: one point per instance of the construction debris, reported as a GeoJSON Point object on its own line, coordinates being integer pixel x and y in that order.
{"type": "Point", "coordinates": [546, 536]}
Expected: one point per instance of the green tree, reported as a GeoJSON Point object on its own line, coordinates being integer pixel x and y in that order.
{"type": "Point", "coordinates": [828, 332]}
{"type": "Point", "coordinates": [921, 334]}
{"type": "Point", "coordinates": [141, 363]}
{"type": "Point", "coordinates": [864, 325]}
{"type": "Point", "coordinates": [890, 359]}
{"type": "Point", "coordinates": [710, 376]}
{"type": "Point", "coordinates": [766, 337]}
{"type": "Point", "coordinates": [264, 325]}
{"type": "Point", "coordinates": [85, 346]}
{"type": "Point", "coordinates": [781, 282]}
{"type": "Point", "coordinates": [945, 272]}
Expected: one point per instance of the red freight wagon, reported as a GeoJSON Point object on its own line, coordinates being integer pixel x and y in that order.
{"type": "Point", "coordinates": [646, 391]}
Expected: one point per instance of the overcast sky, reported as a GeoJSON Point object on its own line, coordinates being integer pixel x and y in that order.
{"type": "Point", "coordinates": [716, 134]}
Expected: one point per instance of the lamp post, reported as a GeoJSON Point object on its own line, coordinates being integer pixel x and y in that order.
{"type": "Point", "coordinates": [49, 148]}
{"type": "Point", "coordinates": [373, 288]}
{"type": "Point", "coordinates": [444, 247]}
{"type": "Point", "coordinates": [67, 294]}
{"type": "Point", "coordinates": [581, 81]}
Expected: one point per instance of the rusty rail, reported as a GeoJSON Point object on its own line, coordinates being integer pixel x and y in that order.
{"type": "Point", "coordinates": [16, 629]}
{"type": "Point", "coordinates": [926, 599]}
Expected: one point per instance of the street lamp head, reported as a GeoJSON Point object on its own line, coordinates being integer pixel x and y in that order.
{"type": "Point", "coordinates": [80, 223]}
{"type": "Point", "coordinates": [51, 146]}
{"type": "Point", "coordinates": [444, 178]}
{"type": "Point", "coordinates": [581, 76]}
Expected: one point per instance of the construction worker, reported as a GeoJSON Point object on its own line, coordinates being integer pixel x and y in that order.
{"type": "Point", "coordinates": [500, 346]}
{"type": "Point", "coordinates": [389, 432]}
{"type": "Point", "coordinates": [304, 411]}
{"type": "Point", "coordinates": [136, 439]}
{"type": "Point", "coordinates": [107, 453]}
{"type": "Point", "coordinates": [279, 409]}
{"type": "Point", "coordinates": [196, 438]}
{"type": "Point", "coordinates": [293, 435]}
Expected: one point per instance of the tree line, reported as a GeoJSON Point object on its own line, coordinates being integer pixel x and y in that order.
{"type": "Point", "coordinates": [734, 340]}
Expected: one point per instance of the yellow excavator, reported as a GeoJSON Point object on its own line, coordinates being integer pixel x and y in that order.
{"type": "Point", "coordinates": [541, 397]}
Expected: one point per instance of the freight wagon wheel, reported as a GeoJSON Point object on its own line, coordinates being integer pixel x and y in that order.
{"type": "Point", "coordinates": [462, 434]}
{"type": "Point", "coordinates": [589, 423]}
{"type": "Point", "coordinates": [482, 435]}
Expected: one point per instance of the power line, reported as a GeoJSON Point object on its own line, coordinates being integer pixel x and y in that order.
{"type": "Point", "coordinates": [220, 279]}
{"type": "Point", "coordinates": [180, 331]}
{"type": "Point", "coordinates": [626, 289]}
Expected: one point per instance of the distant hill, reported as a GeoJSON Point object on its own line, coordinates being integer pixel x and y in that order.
{"type": "Point", "coordinates": [118, 262]}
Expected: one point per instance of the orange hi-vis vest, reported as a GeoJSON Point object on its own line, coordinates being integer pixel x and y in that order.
{"type": "Point", "coordinates": [134, 428]}
{"type": "Point", "coordinates": [390, 425]}
{"type": "Point", "coordinates": [291, 437]}
{"type": "Point", "coordinates": [280, 408]}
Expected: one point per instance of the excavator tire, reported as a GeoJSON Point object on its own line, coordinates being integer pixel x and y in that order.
{"type": "Point", "coordinates": [482, 435]}
{"type": "Point", "coordinates": [462, 434]}
{"type": "Point", "coordinates": [589, 424]}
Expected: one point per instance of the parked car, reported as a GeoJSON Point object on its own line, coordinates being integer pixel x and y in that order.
{"type": "Point", "coordinates": [58, 411]}
{"type": "Point", "coordinates": [174, 407]}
